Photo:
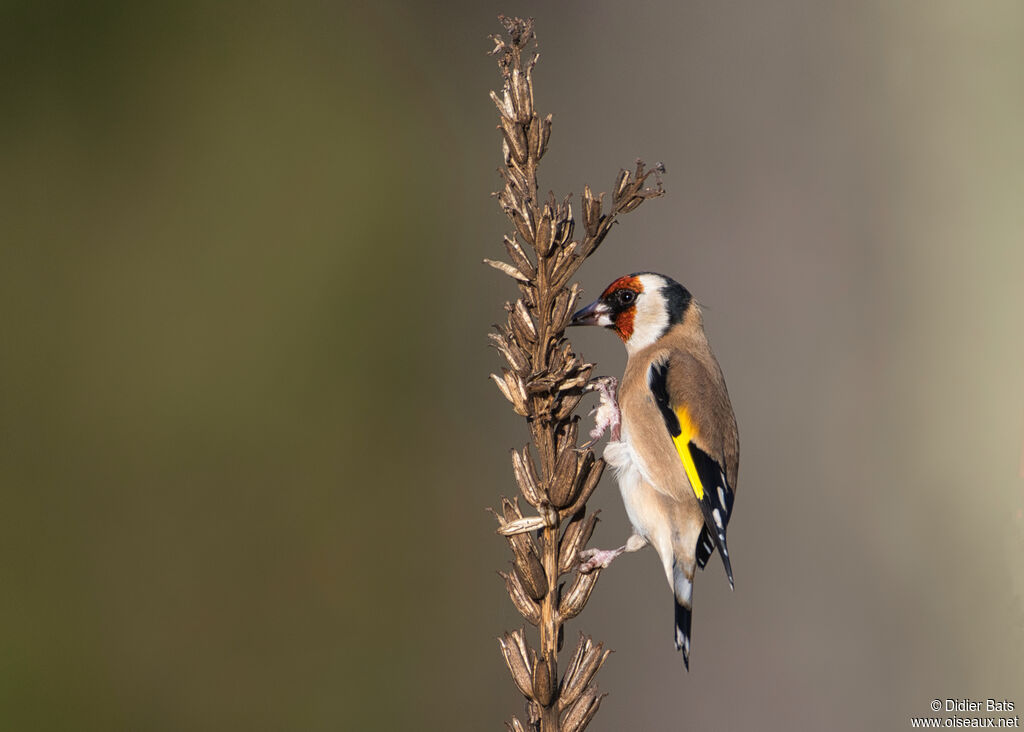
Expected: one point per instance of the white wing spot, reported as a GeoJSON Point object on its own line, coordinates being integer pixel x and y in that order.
{"type": "Point", "coordinates": [718, 517]}
{"type": "Point", "coordinates": [721, 495]}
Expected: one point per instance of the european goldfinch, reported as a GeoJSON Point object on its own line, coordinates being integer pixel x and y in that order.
{"type": "Point", "coordinates": [677, 457]}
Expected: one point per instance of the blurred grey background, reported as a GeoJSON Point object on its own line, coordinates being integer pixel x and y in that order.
{"type": "Point", "coordinates": [246, 432]}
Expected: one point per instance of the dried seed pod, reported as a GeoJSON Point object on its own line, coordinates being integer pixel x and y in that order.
{"type": "Point", "coordinates": [591, 211]}
{"type": "Point", "coordinates": [527, 562]}
{"type": "Point", "coordinates": [514, 725]}
{"type": "Point", "coordinates": [559, 306]}
{"type": "Point", "coordinates": [523, 315]}
{"type": "Point", "coordinates": [584, 468]}
{"type": "Point", "coordinates": [545, 135]}
{"type": "Point", "coordinates": [556, 363]}
{"type": "Point", "coordinates": [522, 543]}
{"type": "Point", "coordinates": [631, 204]}
{"type": "Point", "coordinates": [562, 308]}
{"type": "Point", "coordinates": [510, 509]}
{"type": "Point", "coordinates": [517, 359]}
{"type": "Point", "coordinates": [562, 255]}
{"type": "Point", "coordinates": [531, 573]}
{"type": "Point", "coordinates": [513, 388]}
{"type": "Point", "coordinates": [518, 389]}
{"type": "Point", "coordinates": [574, 540]}
{"type": "Point", "coordinates": [531, 468]}
{"type": "Point", "coordinates": [542, 384]}
{"type": "Point", "coordinates": [519, 258]}
{"type": "Point", "coordinates": [566, 439]}
{"type": "Point", "coordinates": [499, 340]}
{"type": "Point", "coordinates": [526, 525]}
{"type": "Point", "coordinates": [580, 713]}
{"type": "Point", "coordinates": [506, 200]}
{"type": "Point", "coordinates": [527, 559]}
{"type": "Point", "coordinates": [568, 355]}
{"type": "Point", "coordinates": [566, 268]}
{"type": "Point", "coordinates": [525, 605]}
{"type": "Point", "coordinates": [513, 647]}
{"type": "Point", "coordinates": [529, 82]}
{"type": "Point", "coordinates": [529, 295]}
{"type": "Point", "coordinates": [577, 376]}
{"type": "Point", "coordinates": [545, 232]}
{"type": "Point", "coordinates": [583, 673]}
{"type": "Point", "coordinates": [563, 481]}
{"type": "Point", "coordinates": [582, 647]}
{"type": "Point", "coordinates": [568, 404]}
{"type": "Point", "coordinates": [515, 180]}
{"type": "Point", "coordinates": [522, 96]}
{"type": "Point", "coordinates": [524, 224]}
{"type": "Point", "coordinates": [526, 476]}
{"type": "Point", "coordinates": [566, 225]}
{"type": "Point", "coordinates": [516, 139]}
{"type": "Point", "coordinates": [575, 382]}
{"type": "Point", "coordinates": [504, 104]}
{"type": "Point", "coordinates": [621, 185]}
{"type": "Point", "coordinates": [521, 324]}
{"type": "Point", "coordinates": [545, 677]}
{"type": "Point", "coordinates": [503, 387]}
{"type": "Point", "coordinates": [507, 269]}
{"type": "Point", "coordinates": [575, 599]}
{"type": "Point", "coordinates": [533, 138]}
{"type": "Point", "coordinates": [589, 485]}
{"type": "Point", "coordinates": [515, 355]}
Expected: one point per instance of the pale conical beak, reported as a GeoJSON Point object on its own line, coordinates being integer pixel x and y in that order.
{"type": "Point", "coordinates": [596, 313]}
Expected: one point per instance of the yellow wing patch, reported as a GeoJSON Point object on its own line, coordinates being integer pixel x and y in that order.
{"type": "Point", "coordinates": [682, 440]}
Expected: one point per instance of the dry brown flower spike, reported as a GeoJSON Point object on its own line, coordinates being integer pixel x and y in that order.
{"type": "Point", "coordinates": [545, 381]}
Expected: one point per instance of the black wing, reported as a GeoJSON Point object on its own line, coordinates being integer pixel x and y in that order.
{"type": "Point", "coordinates": [706, 475]}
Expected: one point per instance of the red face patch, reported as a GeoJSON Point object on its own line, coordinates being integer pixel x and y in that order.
{"type": "Point", "coordinates": [622, 313]}
{"type": "Point", "coordinates": [624, 324]}
{"type": "Point", "coordinates": [629, 282]}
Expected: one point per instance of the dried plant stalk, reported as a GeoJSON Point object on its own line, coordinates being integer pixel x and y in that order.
{"type": "Point", "coordinates": [544, 382]}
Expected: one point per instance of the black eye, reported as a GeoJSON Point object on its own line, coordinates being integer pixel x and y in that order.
{"type": "Point", "coordinates": [626, 297]}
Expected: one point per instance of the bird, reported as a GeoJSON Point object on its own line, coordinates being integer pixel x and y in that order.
{"type": "Point", "coordinates": [674, 444]}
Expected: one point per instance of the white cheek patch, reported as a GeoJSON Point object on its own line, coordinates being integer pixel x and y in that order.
{"type": "Point", "coordinates": [647, 328]}
{"type": "Point", "coordinates": [650, 320]}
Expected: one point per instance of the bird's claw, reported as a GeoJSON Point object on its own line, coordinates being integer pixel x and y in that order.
{"type": "Point", "coordinates": [593, 559]}
{"type": "Point", "coordinates": [607, 416]}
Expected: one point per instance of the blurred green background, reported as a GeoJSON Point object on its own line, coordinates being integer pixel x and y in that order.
{"type": "Point", "coordinates": [246, 434]}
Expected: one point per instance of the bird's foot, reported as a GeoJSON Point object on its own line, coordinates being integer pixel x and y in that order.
{"type": "Point", "coordinates": [606, 414]}
{"type": "Point", "coordinates": [592, 559]}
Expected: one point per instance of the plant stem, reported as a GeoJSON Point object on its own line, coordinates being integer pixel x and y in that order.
{"type": "Point", "coordinates": [545, 381]}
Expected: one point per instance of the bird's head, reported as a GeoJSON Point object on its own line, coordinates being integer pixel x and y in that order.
{"type": "Point", "coordinates": [640, 308]}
